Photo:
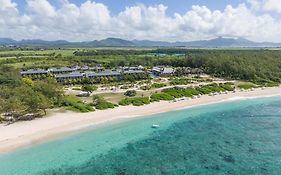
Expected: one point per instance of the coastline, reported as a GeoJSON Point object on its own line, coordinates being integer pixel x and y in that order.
{"type": "Point", "coordinates": [29, 132]}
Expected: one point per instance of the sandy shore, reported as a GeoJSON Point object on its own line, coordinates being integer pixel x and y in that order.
{"type": "Point", "coordinates": [25, 133]}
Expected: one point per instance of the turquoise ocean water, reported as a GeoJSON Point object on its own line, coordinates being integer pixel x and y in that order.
{"type": "Point", "coordinates": [235, 138]}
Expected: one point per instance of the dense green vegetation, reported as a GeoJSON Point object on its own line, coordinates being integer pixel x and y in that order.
{"type": "Point", "coordinates": [228, 86]}
{"type": "Point", "coordinates": [136, 101]}
{"type": "Point", "coordinates": [259, 66]}
{"type": "Point", "coordinates": [181, 92]}
{"type": "Point", "coordinates": [158, 85]}
{"type": "Point", "coordinates": [176, 92]}
{"type": "Point", "coordinates": [21, 97]}
{"type": "Point", "coordinates": [207, 89]}
{"type": "Point", "coordinates": [246, 85]}
{"type": "Point", "coordinates": [89, 88]}
{"type": "Point", "coordinates": [102, 104]}
{"type": "Point", "coordinates": [130, 93]}
{"type": "Point", "coordinates": [161, 96]}
{"type": "Point", "coordinates": [75, 104]}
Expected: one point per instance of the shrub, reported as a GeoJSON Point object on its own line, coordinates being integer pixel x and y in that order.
{"type": "Point", "coordinates": [161, 96]}
{"type": "Point", "coordinates": [175, 92]}
{"type": "Point", "coordinates": [130, 93]}
{"type": "Point", "coordinates": [136, 101]}
{"type": "Point", "coordinates": [73, 103]}
{"type": "Point", "coordinates": [271, 84]}
{"type": "Point", "coordinates": [158, 85]}
{"type": "Point", "coordinates": [210, 88]}
{"type": "Point", "coordinates": [101, 103]}
{"type": "Point", "coordinates": [76, 88]}
{"type": "Point", "coordinates": [246, 85]}
{"type": "Point", "coordinates": [145, 88]}
{"type": "Point", "coordinates": [180, 81]}
{"type": "Point", "coordinates": [89, 88]}
{"type": "Point", "coordinates": [189, 92]}
{"type": "Point", "coordinates": [228, 86]}
{"type": "Point", "coordinates": [125, 102]}
{"type": "Point", "coordinates": [126, 86]}
{"type": "Point", "coordinates": [181, 92]}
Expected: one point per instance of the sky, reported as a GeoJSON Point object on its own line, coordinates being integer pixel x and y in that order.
{"type": "Point", "coordinates": [161, 20]}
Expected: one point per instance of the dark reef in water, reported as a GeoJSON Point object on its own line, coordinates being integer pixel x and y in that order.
{"type": "Point", "coordinates": [239, 142]}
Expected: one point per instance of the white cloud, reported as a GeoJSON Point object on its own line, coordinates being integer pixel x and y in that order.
{"type": "Point", "coordinates": [91, 20]}
{"type": "Point", "coordinates": [272, 5]}
{"type": "Point", "coordinates": [254, 4]}
{"type": "Point", "coordinates": [41, 8]}
{"type": "Point", "coordinates": [265, 5]}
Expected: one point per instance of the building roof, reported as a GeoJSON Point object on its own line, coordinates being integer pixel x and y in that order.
{"type": "Point", "coordinates": [61, 69]}
{"type": "Point", "coordinates": [133, 71]}
{"type": "Point", "coordinates": [103, 73]}
{"type": "Point", "coordinates": [168, 70]}
{"type": "Point", "coordinates": [34, 71]}
{"type": "Point", "coordinates": [90, 74]}
{"type": "Point", "coordinates": [109, 73]}
{"type": "Point", "coordinates": [96, 68]}
{"type": "Point", "coordinates": [156, 69]}
{"type": "Point", "coordinates": [70, 75]}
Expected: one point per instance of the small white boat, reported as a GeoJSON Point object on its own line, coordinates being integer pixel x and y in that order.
{"type": "Point", "coordinates": [154, 126]}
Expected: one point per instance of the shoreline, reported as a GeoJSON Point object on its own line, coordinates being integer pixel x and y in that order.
{"type": "Point", "coordinates": [36, 131]}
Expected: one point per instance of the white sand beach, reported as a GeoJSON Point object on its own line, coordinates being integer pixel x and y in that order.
{"type": "Point", "coordinates": [29, 132]}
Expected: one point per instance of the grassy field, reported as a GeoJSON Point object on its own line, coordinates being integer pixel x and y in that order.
{"type": "Point", "coordinates": [64, 52]}
{"type": "Point", "coordinates": [116, 97]}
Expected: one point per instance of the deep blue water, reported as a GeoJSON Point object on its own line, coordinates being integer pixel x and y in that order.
{"type": "Point", "coordinates": [235, 138]}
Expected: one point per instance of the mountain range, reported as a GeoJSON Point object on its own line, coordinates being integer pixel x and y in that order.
{"type": "Point", "coordinates": [219, 42]}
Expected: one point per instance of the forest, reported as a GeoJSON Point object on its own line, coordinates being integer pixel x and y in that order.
{"type": "Point", "coordinates": [257, 65]}
{"type": "Point", "coordinates": [25, 99]}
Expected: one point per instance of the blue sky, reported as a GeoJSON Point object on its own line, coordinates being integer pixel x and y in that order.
{"type": "Point", "coordinates": [162, 20]}
{"type": "Point", "coordinates": [174, 6]}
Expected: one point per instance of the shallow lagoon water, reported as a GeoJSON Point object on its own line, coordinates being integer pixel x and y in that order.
{"type": "Point", "coordinates": [237, 137]}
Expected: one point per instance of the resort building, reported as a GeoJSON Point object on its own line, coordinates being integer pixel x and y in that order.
{"type": "Point", "coordinates": [166, 71]}
{"type": "Point", "coordinates": [61, 70]}
{"type": "Point", "coordinates": [134, 72]}
{"type": "Point", "coordinates": [162, 71]}
{"type": "Point", "coordinates": [140, 67]}
{"type": "Point", "coordinates": [106, 73]}
{"type": "Point", "coordinates": [63, 74]}
{"type": "Point", "coordinates": [32, 72]}
{"type": "Point", "coordinates": [90, 74]}
{"type": "Point", "coordinates": [72, 75]}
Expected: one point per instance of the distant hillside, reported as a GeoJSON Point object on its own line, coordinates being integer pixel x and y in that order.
{"type": "Point", "coordinates": [219, 42]}
{"type": "Point", "coordinates": [213, 43]}
{"type": "Point", "coordinates": [148, 43]}
{"type": "Point", "coordinates": [222, 42]}
{"type": "Point", "coordinates": [115, 42]}
{"type": "Point", "coordinates": [7, 41]}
